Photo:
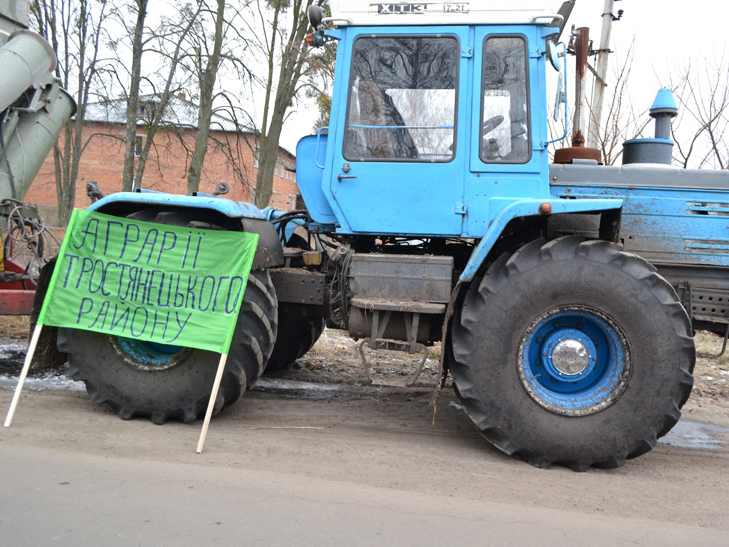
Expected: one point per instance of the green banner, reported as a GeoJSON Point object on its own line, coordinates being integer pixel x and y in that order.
{"type": "Point", "coordinates": [152, 282]}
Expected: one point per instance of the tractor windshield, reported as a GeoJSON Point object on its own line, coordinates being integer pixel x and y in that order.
{"type": "Point", "coordinates": [402, 99]}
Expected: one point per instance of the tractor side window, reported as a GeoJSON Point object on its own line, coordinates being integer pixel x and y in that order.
{"type": "Point", "coordinates": [505, 109]}
{"type": "Point", "coordinates": [402, 99]}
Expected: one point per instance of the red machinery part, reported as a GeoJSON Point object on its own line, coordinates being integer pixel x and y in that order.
{"type": "Point", "coordinates": [16, 302]}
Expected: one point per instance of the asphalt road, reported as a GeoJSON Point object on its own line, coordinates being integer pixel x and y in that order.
{"type": "Point", "coordinates": [353, 469]}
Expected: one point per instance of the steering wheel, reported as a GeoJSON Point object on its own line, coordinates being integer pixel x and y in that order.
{"type": "Point", "coordinates": [491, 124]}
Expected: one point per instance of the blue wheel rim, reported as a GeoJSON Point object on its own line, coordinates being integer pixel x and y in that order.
{"type": "Point", "coordinates": [149, 356]}
{"type": "Point", "coordinates": [574, 361]}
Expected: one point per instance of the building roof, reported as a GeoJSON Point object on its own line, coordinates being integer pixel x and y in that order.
{"type": "Point", "coordinates": [179, 112]}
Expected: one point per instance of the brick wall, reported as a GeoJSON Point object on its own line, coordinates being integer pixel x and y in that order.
{"type": "Point", "coordinates": [166, 169]}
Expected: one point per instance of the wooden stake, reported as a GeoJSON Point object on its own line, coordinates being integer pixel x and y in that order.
{"type": "Point", "coordinates": [211, 404]}
{"type": "Point", "coordinates": [23, 374]}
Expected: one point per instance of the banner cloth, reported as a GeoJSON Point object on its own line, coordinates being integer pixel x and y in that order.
{"type": "Point", "coordinates": [153, 282]}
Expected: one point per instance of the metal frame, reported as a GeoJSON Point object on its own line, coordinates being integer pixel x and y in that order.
{"type": "Point", "coordinates": [411, 312]}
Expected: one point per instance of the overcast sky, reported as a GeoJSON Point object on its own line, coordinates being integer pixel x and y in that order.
{"type": "Point", "coordinates": [668, 35]}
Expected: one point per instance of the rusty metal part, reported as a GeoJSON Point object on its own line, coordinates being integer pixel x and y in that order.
{"type": "Point", "coordinates": [723, 348]}
{"type": "Point", "coordinates": [578, 151]}
{"type": "Point", "coordinates": [578, 140]}
{"type": "Point", "coordinates": [299, 286]}
{"type": "Point", "coordinates": [395, 320]}
{"type": "Point", "coordinates": [377, 314]}
{"type": "Point", "coordinates": [393, 345]}
{"type": "Point", "coordinates": [442, 365]}
{"type": "Point", "coordinates": [545, 209]}
{"type": "Point", "coordinates": [567, 155]}
{"type": "Point", "coordinates": [313, 258]}
{"type": "Point", "coordinates": [582, 50]}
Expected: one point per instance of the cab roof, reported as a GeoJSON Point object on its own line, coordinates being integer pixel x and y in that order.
{"type": "Point", "coordinates": [469, 12]}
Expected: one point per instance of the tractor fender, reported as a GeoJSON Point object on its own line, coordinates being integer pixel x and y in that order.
{"type": "Point", "coordinates": [529, 208]}
{"type": "Point", "coordinates": [269, 253]}
{"type": "Point", "coordinates": [517, 209]}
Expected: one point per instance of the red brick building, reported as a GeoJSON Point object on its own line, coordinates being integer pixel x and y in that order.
{"type": "Point", "coordinates": [231, 157]}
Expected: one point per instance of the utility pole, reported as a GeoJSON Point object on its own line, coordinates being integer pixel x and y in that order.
{"type": "Point", "coordinates": [598, 93]}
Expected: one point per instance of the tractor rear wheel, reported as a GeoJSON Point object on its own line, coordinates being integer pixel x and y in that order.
{"type": "Point", "coordinates": [572, 352]}
{"type": "Point", "coordinates": [300, 327]}
{"type": "Point", "coordinates": [138, 378]}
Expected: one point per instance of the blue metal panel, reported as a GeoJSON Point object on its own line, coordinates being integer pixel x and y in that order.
{"type": "Point", "coordinates": [232, 209]}
{"type": "Point", "coordinates": [310, 155]}
{"type": "Point", "coordinates": [394, 197]}
{"type": "Point", "coordinates": [511, 209]}
{"type": "Point", "coordinates": [668, 225]}
{"type": "Point", "coordinates": [664, 100]}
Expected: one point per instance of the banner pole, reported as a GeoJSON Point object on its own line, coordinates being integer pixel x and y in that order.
{"type": "Point", "coordinates": [211, 404]}
{"type": "Point", "coordinates": [23, 374]}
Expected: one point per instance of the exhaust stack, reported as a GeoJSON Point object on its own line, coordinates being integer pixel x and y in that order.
{"type": "Point", "coordinates": [658, 150]}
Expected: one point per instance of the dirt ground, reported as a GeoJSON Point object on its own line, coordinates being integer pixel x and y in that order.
{"type": "Point", "coordinates": [335, 358]}
{"type": "Point", "coordinates": [338, 463]}
{"type": "Point", "coordinates": [347, 449]}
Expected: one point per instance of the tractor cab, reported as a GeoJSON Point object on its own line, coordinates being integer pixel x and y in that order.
{"type": "Point", "coordinates": [438, 117]}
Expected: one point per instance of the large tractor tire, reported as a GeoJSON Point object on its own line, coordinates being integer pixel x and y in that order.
{"type": "Point", "coordinates": [299, 328]}
{"type": "Point", "coordinates": [572, 352]}
{"type": "Point", "coordinates": [164, 382]}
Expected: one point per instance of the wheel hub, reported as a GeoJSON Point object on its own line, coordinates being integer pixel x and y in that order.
{"type": "Point", "coordinates": [149, 356]}
{"type": "Point", "coordinates": [574, 361]}
{"type": "Point", "coordinates": [570, 357]}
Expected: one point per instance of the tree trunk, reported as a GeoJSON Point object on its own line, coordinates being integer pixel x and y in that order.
{"type": "Point", "coordinates": [292, 65]}
{"type": "Point", "coordinates": [133, 97]}
{"type": "Point", "coordinates": [208, 77]}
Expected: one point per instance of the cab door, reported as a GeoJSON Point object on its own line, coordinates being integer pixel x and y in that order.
{"type": "Point", "coordinates": [398, 166]}
{"type": "Point", "coordinates": [508, 159]}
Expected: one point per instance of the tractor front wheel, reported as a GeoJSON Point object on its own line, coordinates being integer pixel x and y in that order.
{"type": "Point", "coordinates": [138, 378]}
{"type": "Point", "coordinates": [572, 352]}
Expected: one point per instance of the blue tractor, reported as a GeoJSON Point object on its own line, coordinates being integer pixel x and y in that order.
{"type": "Point", "coordinates": [565, 296]}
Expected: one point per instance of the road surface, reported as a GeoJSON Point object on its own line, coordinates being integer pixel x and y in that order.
{"type": "Point", "coordinates": [356, 466]}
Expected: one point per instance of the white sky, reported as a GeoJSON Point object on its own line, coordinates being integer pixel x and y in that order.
{"type": "Point", "coordinates": [668, 35]}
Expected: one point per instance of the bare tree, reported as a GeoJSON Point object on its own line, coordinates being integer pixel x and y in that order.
{"type": "Point", "coordinates": [701, 130]}
{"type": "Point", "coordinates": [171, 38]}
{"type": "Point", "coordinates": [138, 42]}
{"type": "Point", "coordinates": [209, 55]}
{"type": "Point", "coordinates": [208, 76]}
{"type": "Point", "coordinates": [283, 30]}
{"type": "Point", "coordinates": [165, 43]}
{"type": "Point", "coordinates": [75, 29]}
{"type": "Point", "coordinates": [620, 120]}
